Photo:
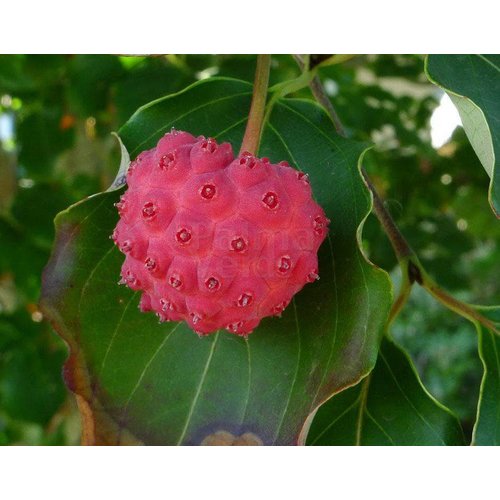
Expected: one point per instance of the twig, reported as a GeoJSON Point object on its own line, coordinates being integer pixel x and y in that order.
{"type": "Point", "coordinates": [320, 95]}
{"type": "Point", "coordinates": [401, 247]}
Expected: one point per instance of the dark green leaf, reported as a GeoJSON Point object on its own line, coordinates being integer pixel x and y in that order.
{"type": "Point", "coordinates": [473, 84]}
{"type": "Point", "coordinates": [161, 384]}
{"type": "Point", "coordinates": [389, 407]}
{"type": "Point", "coordinates": [487, 427]}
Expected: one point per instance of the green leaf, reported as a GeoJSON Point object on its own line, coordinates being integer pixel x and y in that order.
{"type": "Point", "coordinates": [150, 80]}
{"type": "Point", "coordinates": [473, 84]}
{"type": "Point", "coordinates": [487, 426]}
{"type": "Point", "coordinates": [161, 384]}
{"type": "Point", "coordinates": [389, 407]}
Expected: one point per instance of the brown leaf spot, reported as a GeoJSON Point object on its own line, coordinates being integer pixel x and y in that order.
{"type": "Point", "coordinates": [224, 438]}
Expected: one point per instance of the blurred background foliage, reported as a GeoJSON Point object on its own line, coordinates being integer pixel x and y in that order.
{"type": "Point", "coordinates": [56, 116]}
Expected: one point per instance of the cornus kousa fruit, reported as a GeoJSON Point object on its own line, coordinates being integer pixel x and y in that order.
{"type": "Point", "coordinates": [216, 241]}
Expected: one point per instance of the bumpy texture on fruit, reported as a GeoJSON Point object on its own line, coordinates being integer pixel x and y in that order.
{"type": "Point", "coordinates": [216, 241]}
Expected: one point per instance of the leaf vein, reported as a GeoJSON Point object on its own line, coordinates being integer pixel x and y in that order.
{"type": "Point", "coordinates": [148, 364]}
{"type": "Point", "coordinates": [198, 390]}
{"type": "Point", "coordinates": [422, 418]}
{"type": "Point", "coordinates": [299, 352]}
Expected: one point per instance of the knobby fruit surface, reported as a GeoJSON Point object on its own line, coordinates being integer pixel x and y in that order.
{"type": "Point", "coordinates": [213, 240]}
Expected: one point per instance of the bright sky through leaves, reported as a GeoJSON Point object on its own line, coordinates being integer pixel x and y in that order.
{"type": "Point", "coordinates": [444, 120]}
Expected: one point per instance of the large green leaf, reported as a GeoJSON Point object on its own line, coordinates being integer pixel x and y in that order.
{"type": "Point", "coordinates": [473, 84]}
{"type": "Point", "coordinates": [138, 381]}
{"type": "Point", "coordinates": [487, 426]}
{"type": "Point", "coordinates": [389, 407]}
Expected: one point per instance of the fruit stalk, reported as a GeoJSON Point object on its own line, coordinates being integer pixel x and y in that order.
{"type": "Point", "coordinates": [253, 132]}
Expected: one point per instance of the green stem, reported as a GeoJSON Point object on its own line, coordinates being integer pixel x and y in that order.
{"type": "Point", "coordinates": [283, 89]}
{"type": "Point", "coordinates": [320, 95]}
{"type": "Point", "coordinates": [460, 308]}
{"type": "Point", "coordinates": [253, 132]}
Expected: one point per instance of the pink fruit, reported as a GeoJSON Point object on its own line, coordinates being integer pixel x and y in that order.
{"type": "Point", "coordinates": [215, 241]}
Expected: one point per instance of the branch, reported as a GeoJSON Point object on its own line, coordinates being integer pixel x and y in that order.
{"type": "Point", "coordinates": [401, 247]}
{"type": "Point", "coordinates": [399, 244]}
{"type": "Point", "coordinates": [412, 269]}
{"type": "Point", "coordinates": [320, 95]}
